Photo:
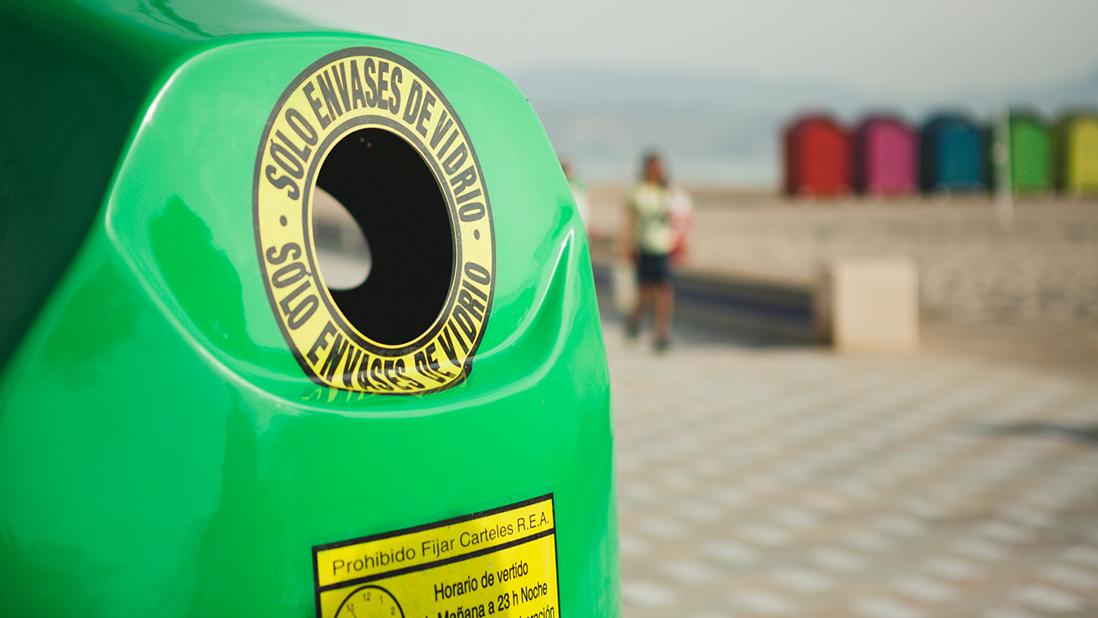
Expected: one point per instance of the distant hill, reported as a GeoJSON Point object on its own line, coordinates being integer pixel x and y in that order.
{"type": "Point", "coordinates": [1078, 93]}
{"type": "Point", "coordinates": [716, 128]}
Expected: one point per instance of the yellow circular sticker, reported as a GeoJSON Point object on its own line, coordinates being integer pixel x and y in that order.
{"type": "Point", "coordinates": [343, 93]}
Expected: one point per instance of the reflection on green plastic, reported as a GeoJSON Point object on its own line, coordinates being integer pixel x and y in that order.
{"type": "Point", "coordinates": [161, 452]}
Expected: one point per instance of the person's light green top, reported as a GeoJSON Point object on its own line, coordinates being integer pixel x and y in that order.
{"type": "Point", "coordinates": [653, 232]}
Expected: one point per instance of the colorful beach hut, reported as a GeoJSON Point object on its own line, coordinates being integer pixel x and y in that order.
{"type": "Point", "coordinates": [817, 157]}
{"type": "Point", "coordinates": [1030, 153]}
{"type": "Point", "coordinates": [885, 157]}
{"type": "Point", "coordinates": [1076, 153]}
{"type": "Point", "coordinates": [952, 154]}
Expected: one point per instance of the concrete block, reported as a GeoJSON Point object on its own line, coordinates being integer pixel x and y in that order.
{"type": "Point", "coordinates": [870, 304]}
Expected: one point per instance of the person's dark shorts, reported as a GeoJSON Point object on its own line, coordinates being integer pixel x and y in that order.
{"type": "Point", "coordinates": [653, 268]}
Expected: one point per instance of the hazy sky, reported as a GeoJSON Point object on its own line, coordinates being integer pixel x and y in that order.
{"type": "Point", "coordinates": [910, 48]}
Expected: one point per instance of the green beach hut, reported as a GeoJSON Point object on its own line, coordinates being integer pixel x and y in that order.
{"type": "Point", "coordinates": [1030, 153]}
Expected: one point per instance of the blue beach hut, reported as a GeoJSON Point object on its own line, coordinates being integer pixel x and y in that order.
{"type": "Point", "coordinates": [953, 155]}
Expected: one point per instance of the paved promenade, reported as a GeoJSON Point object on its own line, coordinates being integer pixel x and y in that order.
{"type": "Point", "coordinates": [791, 482]}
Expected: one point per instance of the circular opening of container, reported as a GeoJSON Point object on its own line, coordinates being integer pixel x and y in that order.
{"type": "Point", "coordinates": [383, 237]}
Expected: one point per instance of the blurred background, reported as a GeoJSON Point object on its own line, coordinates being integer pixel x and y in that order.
{"type": "Point", "coordinates": [881, 397]}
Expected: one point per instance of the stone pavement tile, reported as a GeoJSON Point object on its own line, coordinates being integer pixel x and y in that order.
{"type": "Point", "coordinates": [792, 482]}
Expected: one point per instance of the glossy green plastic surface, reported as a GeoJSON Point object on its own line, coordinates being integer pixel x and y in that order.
{"type": "Point", "coordinates": [161, 452]}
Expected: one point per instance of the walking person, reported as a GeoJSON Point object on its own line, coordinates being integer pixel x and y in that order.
{"type": "Point", "coordinates": [648, 239]}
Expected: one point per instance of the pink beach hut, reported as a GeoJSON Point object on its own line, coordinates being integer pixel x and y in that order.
{"type": "Point", "coordinates": [885, 157]}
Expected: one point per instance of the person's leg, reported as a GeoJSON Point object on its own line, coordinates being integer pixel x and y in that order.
{"type": "Point", "coordinates": [664, 298]}
{"type": "Point", "coordinates": [646, 297]}
{"type": "Point", "coordinates": [633, 315]}
{"type": "Point", "coordinates": [632, 319]}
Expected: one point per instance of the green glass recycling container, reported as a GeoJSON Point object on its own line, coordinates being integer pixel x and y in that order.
{"type": "Point", "coordinates": [297, 322]}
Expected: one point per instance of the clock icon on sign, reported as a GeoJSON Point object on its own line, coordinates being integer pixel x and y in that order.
{"type": "Point", "coordinates": [369, 602]}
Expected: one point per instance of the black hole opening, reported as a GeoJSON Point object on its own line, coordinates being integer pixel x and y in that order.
{"type": "Point", "coordinates": [387, 188]}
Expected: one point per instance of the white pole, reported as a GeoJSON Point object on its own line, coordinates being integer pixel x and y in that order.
{"type": "Point", "coordinates": [1004, 203]}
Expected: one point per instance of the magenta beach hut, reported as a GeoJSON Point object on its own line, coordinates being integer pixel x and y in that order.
{"type": "Point", "coordinates": [885, 157]}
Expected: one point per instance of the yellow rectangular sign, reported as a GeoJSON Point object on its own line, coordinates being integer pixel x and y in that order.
{"type": "Point", "coordinates": [501, 562]}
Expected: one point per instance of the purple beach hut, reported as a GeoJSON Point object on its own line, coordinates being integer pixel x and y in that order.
{"type": "Point", "coordinates": [885, 157]}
